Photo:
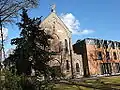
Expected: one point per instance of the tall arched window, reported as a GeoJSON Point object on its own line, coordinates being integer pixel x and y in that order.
{"type": "Point", "coordinates": [77, 67]}
{"type": "Point", "coordinates": [66, 45]}
{"type": "Point", "coordinates": [67, 65]}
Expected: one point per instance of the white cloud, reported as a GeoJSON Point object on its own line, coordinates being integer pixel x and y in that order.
{"type": "Point", "coordinates": [74, 25]}
{"type": "Point", "coordinates": [86, 31]}
{"type": "Point", "coordinates": [5, 33]}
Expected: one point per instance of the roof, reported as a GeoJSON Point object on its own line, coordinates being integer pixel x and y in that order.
{"type": "Point", "coordinates": [53, 14]}
{"type": "Point", "coordinates": [100, 39]}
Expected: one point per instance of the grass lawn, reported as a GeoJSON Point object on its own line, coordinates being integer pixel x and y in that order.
{"type": "Point", "coordinates": [102, 83]}
{"type": "Point", "coordinates": [111, 80]}
{"type": "Point", "coordinates": [70, 87]}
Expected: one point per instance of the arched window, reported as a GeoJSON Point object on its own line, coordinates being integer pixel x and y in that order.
{"type": "Point", "coordinates": [66, 45]}
{"type": "Point", "coordinates": [114, 55]}
{"type": "Point", "coordinates": [77, 67]}
{"type": "Point", "coordinates": [67, 65]}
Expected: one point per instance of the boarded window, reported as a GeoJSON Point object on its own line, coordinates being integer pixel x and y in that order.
{"type": "Point", "coordinates": [67, 65]}
{"type": "Point", "coordinates": [99, 55]}
{"type": "Point", "coordinates": [114, 55]}
{"type": "Point", "coordinates": [77, 67]}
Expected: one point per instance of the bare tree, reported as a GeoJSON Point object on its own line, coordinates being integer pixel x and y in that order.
{"type": "Point", "coordinates": [10, 8]}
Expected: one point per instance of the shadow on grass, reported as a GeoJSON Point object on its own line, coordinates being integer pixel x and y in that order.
{"type": "Point", "coordinates": [97, 84]}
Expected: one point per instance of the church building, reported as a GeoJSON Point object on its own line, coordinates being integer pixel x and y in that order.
{"type": "Point", "coordinates": [69, 62]}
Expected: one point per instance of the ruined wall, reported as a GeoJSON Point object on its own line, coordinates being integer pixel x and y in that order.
{"type": "Point", "coordinates": [77, 65]}
{"type": "Point", "coordinates": [93, 63]}
{"type": "Point", "coordinates": [60, 43]}
{"type": "Point", "coordinates": [105, 64]}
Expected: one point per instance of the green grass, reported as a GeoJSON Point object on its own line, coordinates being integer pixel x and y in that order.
{"type": "Point", "coordinates": [70, 87]}
{"type": "Point", "coordinates": [102, 83]}
{"type": "Point", "coordinates": [111, 80]}
{"type": "Point", "coordinates": [105, 82]}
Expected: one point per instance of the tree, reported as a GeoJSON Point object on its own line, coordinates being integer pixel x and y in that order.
{"type": "Point", "coordinates": [10, 8]}
{"type": "Point", "coordinates": [31, 47]}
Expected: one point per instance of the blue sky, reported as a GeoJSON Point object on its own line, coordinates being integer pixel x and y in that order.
{"type": "Point", "coordinates": [100, 18]}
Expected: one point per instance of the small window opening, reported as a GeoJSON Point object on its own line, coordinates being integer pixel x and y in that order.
{"type": "Point", "coordinates": [99, 55]}
{"type": "Point", "coordinates": [77, 67]}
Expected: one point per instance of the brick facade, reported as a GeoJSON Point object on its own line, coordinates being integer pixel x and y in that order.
{"type": "Point", "coordinates": [100, 57]}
